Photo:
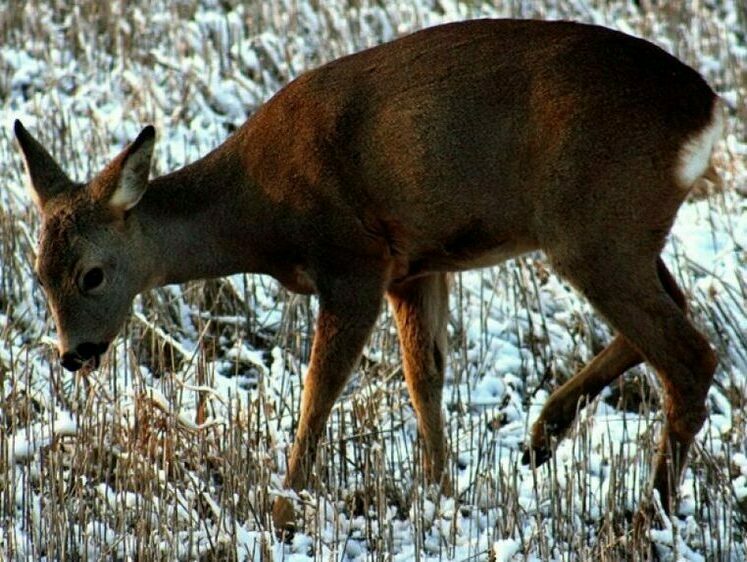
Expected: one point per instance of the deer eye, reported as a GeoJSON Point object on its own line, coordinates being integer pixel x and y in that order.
{"type": "Point", "coordinates": [92, 279]}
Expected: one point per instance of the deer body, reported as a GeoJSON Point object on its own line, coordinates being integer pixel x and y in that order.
{"type": "Point", "coordinates": [374, 175]}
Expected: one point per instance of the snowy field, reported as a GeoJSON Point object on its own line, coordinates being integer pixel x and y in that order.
{"type": "Point", "coordinates": [176, 447]}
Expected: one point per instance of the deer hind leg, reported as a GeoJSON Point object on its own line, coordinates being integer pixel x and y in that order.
{"type": "Point", "coordinates": [639, 307]}
{"type": "Point", "coordinates": [560, 409]}
{"type": "Point", "coordinates": [421, 308]}
{"type": "Point", "coordinates": [348, 307]}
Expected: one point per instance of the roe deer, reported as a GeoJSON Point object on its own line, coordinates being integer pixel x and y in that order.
{"type": "Point", "coordinates": [455, 147]}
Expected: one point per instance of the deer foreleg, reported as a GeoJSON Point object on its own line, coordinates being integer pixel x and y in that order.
{"type": "Point", "coordinates": [348, 307]}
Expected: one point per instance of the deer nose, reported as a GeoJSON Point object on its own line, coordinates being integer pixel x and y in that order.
{"type": "Point", "coordinates": [71, 361]}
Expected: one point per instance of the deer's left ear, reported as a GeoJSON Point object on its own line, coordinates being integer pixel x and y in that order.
{"type": "Point", "coordinates": [46, 178]}
{"type": "Point", "coordinates": [123, 182]}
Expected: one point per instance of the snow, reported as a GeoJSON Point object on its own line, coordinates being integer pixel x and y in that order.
{"type": "Point", "coordinates": [504, 550]}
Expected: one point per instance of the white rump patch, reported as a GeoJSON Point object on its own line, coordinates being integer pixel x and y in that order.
{"type": "Point", "coordinates": [695, 155]}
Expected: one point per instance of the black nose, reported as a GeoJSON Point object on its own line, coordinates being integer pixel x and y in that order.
{"type": "Point", "coordinates": [86, 350]}
{"type": "Point", "coordinates": [71, 361]}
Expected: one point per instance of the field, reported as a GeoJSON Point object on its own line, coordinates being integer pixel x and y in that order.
{"type": "Point", "coordinates": [175, 448]}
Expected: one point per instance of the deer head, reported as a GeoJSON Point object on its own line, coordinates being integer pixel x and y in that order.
{"type": "Point", "coordinates": [89, 258]}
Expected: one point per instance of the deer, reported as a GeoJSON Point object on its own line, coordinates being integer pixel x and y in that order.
{"type": "Point", "coordinates": [376, 176]}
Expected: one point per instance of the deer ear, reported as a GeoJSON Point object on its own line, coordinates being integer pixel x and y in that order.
{"type": "Point", "coordinates": [45, 177]}
{"type": "Point", "coordinates": [129, 172]}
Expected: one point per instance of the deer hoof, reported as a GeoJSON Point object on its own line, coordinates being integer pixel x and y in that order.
{"type": "Point", "coordinates": [540, 449]}
{"type": "Point", "coordinates": [284, 518]}
{"type": "Point", "coordinates": [536, 456]}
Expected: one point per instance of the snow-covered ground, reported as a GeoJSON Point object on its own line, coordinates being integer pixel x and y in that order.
{"type": "Point", "coordinates": [176, 447]}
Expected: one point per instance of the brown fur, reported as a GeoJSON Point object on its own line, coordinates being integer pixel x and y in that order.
{"type": "Point", "coordinates": [455, 147]}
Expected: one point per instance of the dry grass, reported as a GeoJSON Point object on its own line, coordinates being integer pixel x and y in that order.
{"type": "Point", "coordinates": [181, 438]}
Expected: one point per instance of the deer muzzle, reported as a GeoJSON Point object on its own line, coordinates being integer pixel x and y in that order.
{"type": "Point", "coordinates": [83, 353]}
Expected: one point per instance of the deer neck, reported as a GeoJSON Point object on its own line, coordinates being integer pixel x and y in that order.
{"type": "Point", "coordinates": [199, 222]}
